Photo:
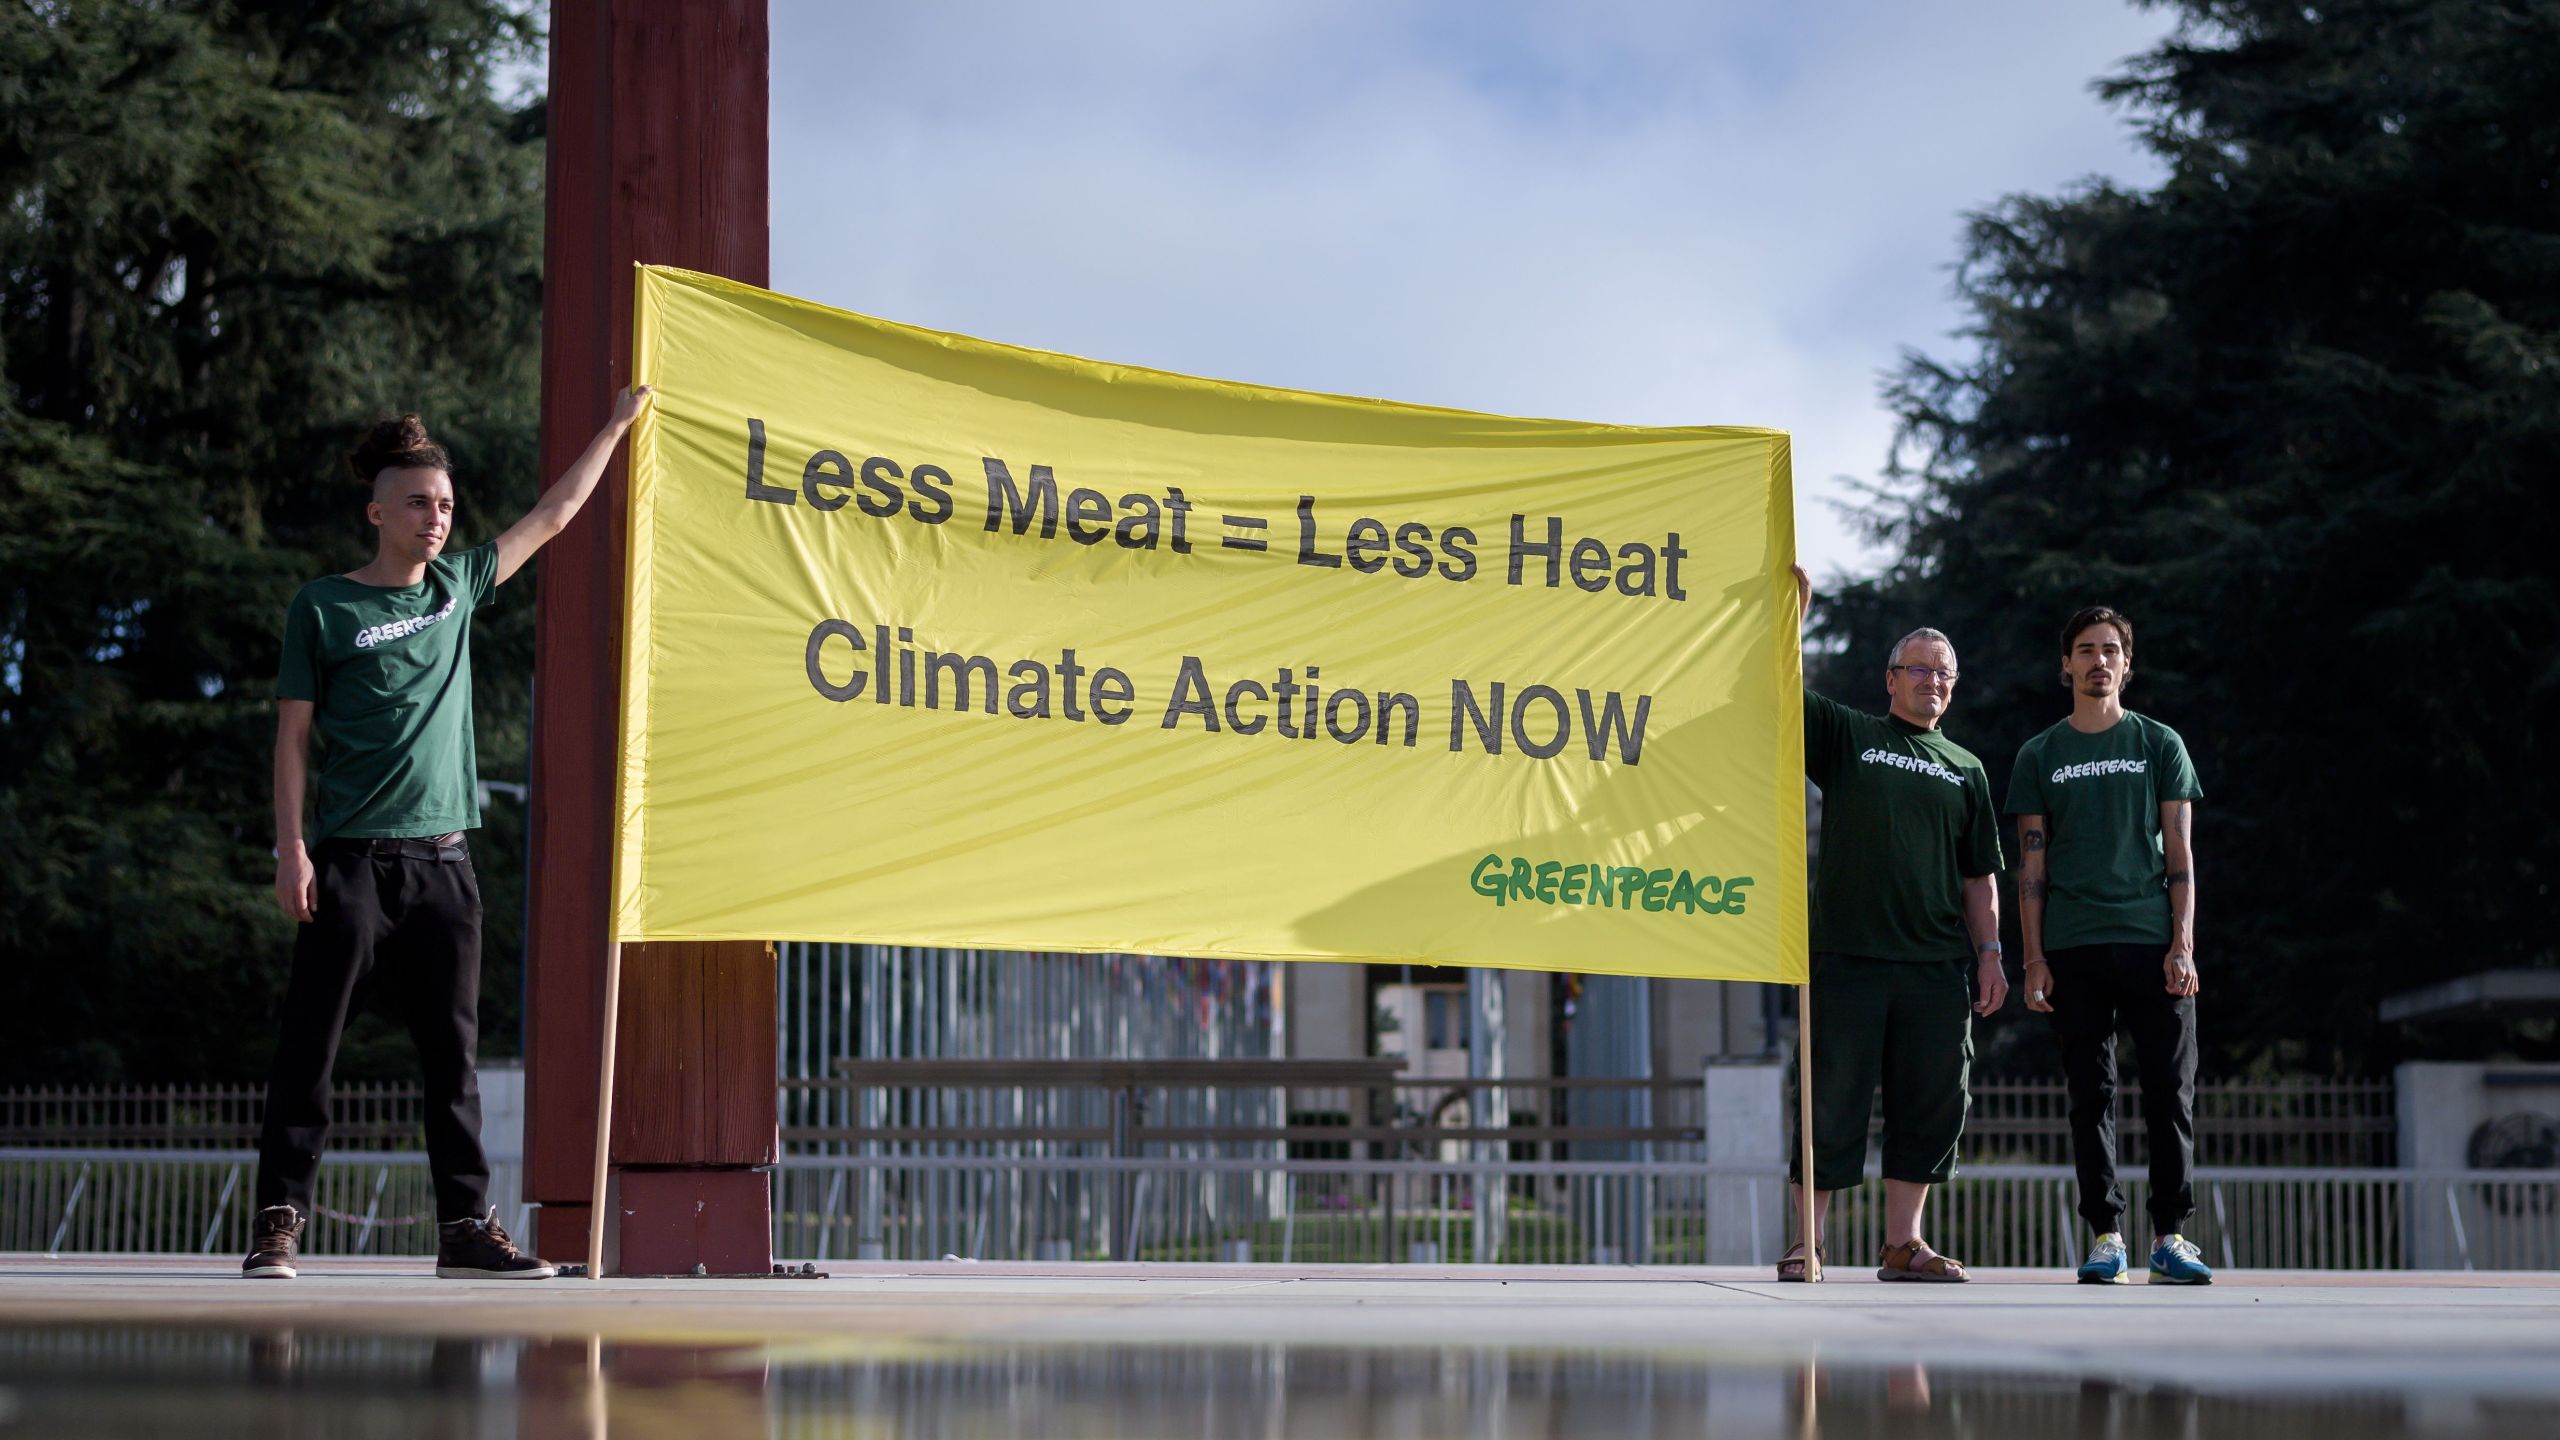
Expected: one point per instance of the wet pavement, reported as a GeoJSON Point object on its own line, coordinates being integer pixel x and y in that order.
{"type": "Point", "coordinates": [148, 1347]}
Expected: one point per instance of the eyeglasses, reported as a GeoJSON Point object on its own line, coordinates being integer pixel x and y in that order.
{"type": "Point", "coordinates": [1925, 674]}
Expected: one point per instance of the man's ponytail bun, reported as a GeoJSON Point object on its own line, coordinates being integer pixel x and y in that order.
{"type": "Point", "coordinates": [400, 444]}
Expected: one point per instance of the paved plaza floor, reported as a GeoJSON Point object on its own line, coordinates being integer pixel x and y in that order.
{"type": "Point", "coordinates": [969, 1349]}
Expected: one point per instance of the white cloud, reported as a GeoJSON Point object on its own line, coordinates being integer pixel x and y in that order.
{"type": "Point", "coordinates": [1665, 214]}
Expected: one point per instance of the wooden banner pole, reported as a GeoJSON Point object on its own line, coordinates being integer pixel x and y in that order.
{"type": "Point", "coordinates": [596, 1208]}
{"type": "Point", "coordinates": [1804, 1130]}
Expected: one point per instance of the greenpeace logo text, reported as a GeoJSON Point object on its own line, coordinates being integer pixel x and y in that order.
{"type": "Point", "coordinates": [1618, 887]}
{"type": "Point", "coordinates": [374, 635]}
{"type": "Point", "coordinates": [2091, 769]}
{"type": "Point", "coordinates": [1906, 762]}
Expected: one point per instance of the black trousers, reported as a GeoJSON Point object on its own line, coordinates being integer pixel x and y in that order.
{"type": "Point", "coordinates": [2096, 987]}
{"type": "Point", "coordinates": [398, 923]}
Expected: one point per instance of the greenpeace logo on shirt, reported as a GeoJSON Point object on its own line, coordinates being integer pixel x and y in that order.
{"type": "Point", "coordinates": [1905, 762]}
{"type": "Point", "coordinates": [374, 635]}
{"type": "Point", "coordinates": [2091, 769]}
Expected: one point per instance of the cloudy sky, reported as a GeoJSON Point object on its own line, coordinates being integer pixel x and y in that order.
{"type": "Point", "coordinates": [1641, 213]}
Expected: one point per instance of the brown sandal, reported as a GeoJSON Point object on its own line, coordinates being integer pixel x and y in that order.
{"type": "Point", "coordinates": [1916, 1261]}
{"type": "Point", "coordinates": [1791, 1266]}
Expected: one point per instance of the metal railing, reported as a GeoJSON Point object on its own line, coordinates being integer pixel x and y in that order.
{"type": "Point", "coordinates": [893, 1002]}
{"type": "Point", "coordinates": [1308, 1212]}
{"type": "Point", "coordinates": [2292, 1120]}
{"type": "Point", "coordinates": [1247, 1210]}
{"type": "Point", "coordinates": [1546, 1118]}
{"type": "Point", "coordinates": [65, 1201]}
{"type": "Point", "coordinates": [1384, 1212]}
{"type": "Point", "coordinates": [199, 1117]}
{"type": "Point", "coordinates": [2270, 1217]}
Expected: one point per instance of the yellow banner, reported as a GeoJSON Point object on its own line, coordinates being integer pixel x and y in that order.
{"type": "Point", "coordinates": [940, 642]}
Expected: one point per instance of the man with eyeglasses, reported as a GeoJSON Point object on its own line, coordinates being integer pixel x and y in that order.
{"type": "Point", "coordinates": [2105, 801]}
{"type": "Point", "coordinates": [1906, 942]}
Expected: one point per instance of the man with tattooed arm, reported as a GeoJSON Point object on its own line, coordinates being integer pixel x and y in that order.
{"type": "Point", "coordinates": [2105, 802]}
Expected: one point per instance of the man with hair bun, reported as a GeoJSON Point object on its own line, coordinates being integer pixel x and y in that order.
{"type": "Point", "coordinates": [376, 668]}
{"type": "Point", "coordinates": [1906, 944]}
{"type": "Point", "coordinates": [2105, 801]}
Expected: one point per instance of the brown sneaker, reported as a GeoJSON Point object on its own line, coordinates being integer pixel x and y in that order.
{"type": "Point", "coordinates": [478, 1249]}
{"type": "Point", "coordinates": [272, 1238]}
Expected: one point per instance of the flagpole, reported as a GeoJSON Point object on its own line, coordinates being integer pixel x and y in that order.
{"type": "Point", "coordinates": [596, 1209]}
{"type": "Point", "coordinates": [1804, 1131]}
{"type": "Point", "coordinates": [635, 616]}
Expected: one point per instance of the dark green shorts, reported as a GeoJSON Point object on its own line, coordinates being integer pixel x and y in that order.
{"type": "Point", "coordinates": [1907, 1026]}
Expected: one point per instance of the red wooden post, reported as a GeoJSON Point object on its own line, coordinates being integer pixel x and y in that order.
{"type": "Point", "coordinates": [658, 118]}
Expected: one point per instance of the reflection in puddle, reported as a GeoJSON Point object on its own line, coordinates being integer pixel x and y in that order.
{"type": "Point", "coordinates": [211, 1383]}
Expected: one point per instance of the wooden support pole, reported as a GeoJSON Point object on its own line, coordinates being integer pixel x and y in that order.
{"type": "Point", "coordinates": [597, 1217]}
{"type": "Point", "coordinates": [659, 152]}
{"type": "Point", "coordinates": [1804, 1133]}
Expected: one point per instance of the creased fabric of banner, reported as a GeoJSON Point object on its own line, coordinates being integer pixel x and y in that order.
{"type": "Point", "coordinates": [936, 641]}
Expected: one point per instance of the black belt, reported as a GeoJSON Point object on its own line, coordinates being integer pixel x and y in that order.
{"type": "Point", "coordinates": [447, 847]}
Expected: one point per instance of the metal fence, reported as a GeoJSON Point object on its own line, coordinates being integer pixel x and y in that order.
{"type": "Point", "coordinates": [1307, 1212]}
{"type": "Point", "coordinates": [63, 1200]}
{"type": "Point", "coordinates": [199, 1117]}
{"type": "Point", "coordinates": [2262, 1218]}
{"type": "Point", "coordinates": [1246, 1210]}
{"type": "Point", "coordinates": [1539, 1119]}
{"type": "Point", "coordinates": [2291, 1120]}
{"type": "Point", "coordinates": [1386, 1212]}
{"type": "Point", "coordinates": [883, 1002]}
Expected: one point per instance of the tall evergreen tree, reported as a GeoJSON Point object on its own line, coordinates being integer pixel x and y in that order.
{"type": "Point", "coordinates": [235, 234]}
{"type": "Point", "coordinates": [2297, 412]}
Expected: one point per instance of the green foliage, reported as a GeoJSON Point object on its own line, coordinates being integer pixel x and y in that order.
{"type": "Point", "coordinates": [235, 234]}
{"type": "Point", "coordinates": [2297, 412]}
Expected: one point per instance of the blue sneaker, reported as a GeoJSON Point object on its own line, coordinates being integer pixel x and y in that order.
{"type": "Point", "coordinates": [2107, 1264]}
{"type": "Point", "coordinates": [2176, 1262]}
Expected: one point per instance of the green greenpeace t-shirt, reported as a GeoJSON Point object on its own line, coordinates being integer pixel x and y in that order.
{"type": "Point", "coordinates": [2100, 795]}
{"type": "Point", "coordinates": [1906, 818]}
{"type": "Point", "coordinates": [388, 672]}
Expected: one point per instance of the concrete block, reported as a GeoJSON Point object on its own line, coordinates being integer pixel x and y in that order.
{"type": "Point", "coordinates": [1746, 1117]}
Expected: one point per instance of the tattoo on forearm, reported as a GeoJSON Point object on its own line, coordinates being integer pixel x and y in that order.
{"type": "Point", "coordinates": [2032, 840]}
{"type": "Point", "coordinates": [2031, 889]}
{"type": "Point", "coordinates": [2182, 877]}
